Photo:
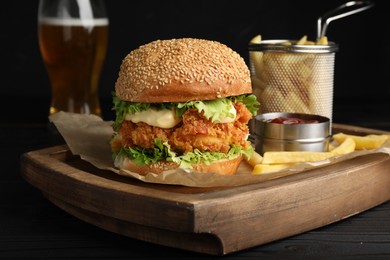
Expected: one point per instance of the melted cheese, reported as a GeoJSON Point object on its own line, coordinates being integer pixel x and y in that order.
{"type": "Point", "coordinates": [161, 118]}
{"type": "Point", "coordinates": [233, 111]}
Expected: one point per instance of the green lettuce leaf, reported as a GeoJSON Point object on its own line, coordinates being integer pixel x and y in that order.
{"type": "Point", "coordinates": [143, 156]}
{"type": "Point", "coordinates": [122, 108]}
{"type": "Point", "coordinates": [249, 101]}
{"type": "Point", "coordinates": [215, 110]}
{"type": "Point", "coordinates": [162, 151]}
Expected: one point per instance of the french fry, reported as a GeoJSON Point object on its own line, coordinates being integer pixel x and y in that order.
{"type": "Point", "coordinates": [256, 57]}
{"type": "Point", "coordinates": [310, 43]}
{"type": "Point", "coordinates": [269, 168]}
{"type": "Point", "coordinates": [323, 107]}
{"type": "Point", "coordinates": [270, 93]}
{"type": "Point", "coordinates": [299, 103]}
{"type": "Point", "coordinates": [347, 146]}
{"type": "Point", "coordinates": [258, 86]}
{"type": "Point", "coordinates": [305, 156]}
{"type": "Point", "coordinates": [331, 147]}
{"type": "Point", "coordinates": [274, 161]}
{"type": "Point", "coordinates": [255, 159]}
{"type": "Point", "coordinates": [294, 157]}
{"type": "Point", "coordinates": [363, 142]}
{"type": "Point", "coordinates": [323, 40]}
{"type": "Point", "coordinates": [256, 39]}
{"type": "Point", "coordinates": [302, 41]}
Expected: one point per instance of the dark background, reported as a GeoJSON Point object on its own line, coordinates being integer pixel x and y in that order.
{"type": "Point", "coordinates": [362, 62]}
{"type": "Point", "coordinates": [33, 228]}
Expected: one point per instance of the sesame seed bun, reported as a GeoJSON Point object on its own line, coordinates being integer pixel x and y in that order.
{"type": "Point", "coordinates": [223, 167]}
{"type": "Point", "coordinates": [180, 70]}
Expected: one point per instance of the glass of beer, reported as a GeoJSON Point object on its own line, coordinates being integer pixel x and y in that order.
{"type": "Point", "coordinates": [73, 36]}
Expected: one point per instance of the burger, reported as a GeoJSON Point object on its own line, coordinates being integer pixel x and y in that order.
{"type": "Point", "coordinates": [182, 103]}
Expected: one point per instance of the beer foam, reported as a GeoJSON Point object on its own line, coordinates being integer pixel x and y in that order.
{"type": "Point", "coordinates": [74, 21]}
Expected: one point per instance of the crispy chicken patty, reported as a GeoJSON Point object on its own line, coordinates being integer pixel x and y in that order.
{"type": "Point", "coordinates": [194, 132]}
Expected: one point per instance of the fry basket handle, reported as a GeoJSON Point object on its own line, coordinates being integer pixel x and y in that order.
{"type": "Point", "coordinates": [323, 21]}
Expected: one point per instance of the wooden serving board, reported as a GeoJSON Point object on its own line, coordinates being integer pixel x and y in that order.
{"type": "Point", "coordinates": [217, 220]}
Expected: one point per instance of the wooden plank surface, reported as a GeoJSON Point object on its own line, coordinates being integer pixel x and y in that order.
{"type": "Point", "coordinates": [210, 220]}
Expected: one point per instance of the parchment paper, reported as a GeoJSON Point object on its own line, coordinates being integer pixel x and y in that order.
{"type": "Point", "coordinates": [88, 136]}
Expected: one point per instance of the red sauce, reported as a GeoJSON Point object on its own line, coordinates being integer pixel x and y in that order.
{"type": "Point", "coordinates": [291, 121]}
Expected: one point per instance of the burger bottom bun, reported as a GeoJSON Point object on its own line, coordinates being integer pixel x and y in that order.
{"type": "Point", "coordinates": [223, 167]}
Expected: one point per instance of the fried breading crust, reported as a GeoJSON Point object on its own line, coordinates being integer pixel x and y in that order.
{"type": "Point", "coordinates": [194, 132]}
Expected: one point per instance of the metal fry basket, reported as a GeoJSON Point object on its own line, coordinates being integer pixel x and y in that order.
{"type": "Point", "coordinates": [287, 77]}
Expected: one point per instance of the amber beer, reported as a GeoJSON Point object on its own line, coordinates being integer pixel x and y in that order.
{"type": "Point", "coordinates": [73, 51]}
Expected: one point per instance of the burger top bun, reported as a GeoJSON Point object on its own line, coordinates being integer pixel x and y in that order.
{"type": "Point", "coordinates": [180, 70]}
